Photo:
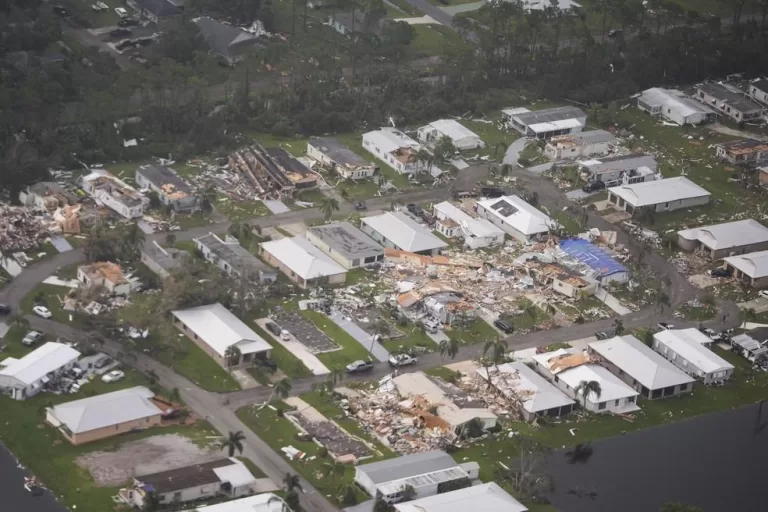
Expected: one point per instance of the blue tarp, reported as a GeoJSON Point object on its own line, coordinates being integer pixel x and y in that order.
{"type": "Point", "coordinates": [592, 256]}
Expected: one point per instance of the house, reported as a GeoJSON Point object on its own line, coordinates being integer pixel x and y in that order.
{"type": "Point", "coordinates": [337, 157]}
{"type": "Point", "coordinates": [233, 258]}
{"type": "Point", "coordinates": [348, 23]}
{"type": "Point", "coordinates": [659, 196]}
{"type": "Point", "coordinates": [346, 245]}
{"type": "Point", "coordinates": [565, 6]}
{"type": "Point", "coordinates": [395, 149]}
{"type": "Point", "coordinates": [171, 190]}
{"type": "Point", "coordinates": [429, 473]}
{"type": "Point", "coordinates": [686, 349]}
{"type": "Point", "coordinates": [156, 11]}
{"type": "Point", "coordinates": [453, 222]}
{"type": "Point", "coordinates": [108, 415]}
{"type": "Point", "coordinates": [302, 262]}
{"type": "Point", "coordinates": [227, 478]}
{"type": "Point", "coordinates": [515, 217]}
{"type": "Point", "coordinates": [462, 137]}
{"type": "Point", "coordinates": [215, 329]}
{"type": "Point", "coordinates": [749, 348]}
{"type": "Point", "coordinates": [543, 124]}
{"type": "Point", "coordinates": [225, 41]}
{"type": "Point", "coordinates": [567, 368]}
{"type": "Point", "coordinates": [24, 378]}
{"type": "Point", "coordinates": [743, 152]}
{"type": "Point", "coordinates": [602, 266]}
{"type": "Point", "coordinates": [729, 101]}
{"type": "Point", "coordinates": [576, 145]}
{"type": "Point", "coordinates": [763, 175]}
{"type": "Point", "coordinates": [638, 365]}
{"type": "Point", "coordinates": [751, 268]}
{"type": "Point", "coordinates": [727, 239]}
{"type": "Point", "coordinates": [482, 498]}
{"type": "Point", "coordinates": [398, 231]}
{"type": "Point", "coordinates": [674, 106]}
{"type": "Point", "coordinates": [272, 173]}
{"type": "Point", "coordinates": [108, 275]}
{"type": "Point", "coordinates": [528, 391]}
{"type": "Point", "coordinates": [562, 279]}
{"type": "Point", "coordinates": [47, 195]}
{"type": "Point", "coordinates": [448, 307]}
{"type": "Point", "coordinates": [266, 502]}
{"type": "Point", "coordinates": [114, 193]}
{"type": "Point", "coordinates": [163, 260]}
{"type": "Point", "coordinates": [758, 91]}
{"type": "Point", "coordinates": [620, 170]}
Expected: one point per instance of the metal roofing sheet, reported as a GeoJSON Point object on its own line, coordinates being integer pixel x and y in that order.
{"type": "Point", "coordinates": [592, 256]}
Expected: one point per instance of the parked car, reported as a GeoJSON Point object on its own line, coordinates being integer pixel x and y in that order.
{"type": "Point", "coordinates": [127, 22]}
{"type": "Point", "coordinates": [273, 328]}
{"type": "Point", "coordinates": [763, 294]}
{"type": "Point", "coordinates": [415, 209]}
{"type": "Point", "coordinates": [602, 335]}
{"type": "Point", "coordinates": [593, 186]}
{"type": "Point", "coordinates": [60, 11]}
{"type": "Point", "coordinates": [102, 362]}
{"type": "Point", "coordinates": [31, 338]}
{"type": "Point", "coordinates": [360, 367]}
{"type": "Point", "coordinates": [42, 311]}
{"type": "Point", "coordinates": [720, 272]}
{"type": "Point", "coordinates": [360, 206]}
{"type": "Point", "coordinates": [74, 388]}
{"type": "Point", "coordinates": [76, 372]}
{"type": "Point", "coordinates": [121, 32]}
{"type": "Point", "coordinates": [665, 326]}
{"type": "Point", "coordinates": [504, 326]}
{"type": "Point", "coordinates": [397, 360]}
{"type": "Point", "coordinates": [5, 309]}
{"type": "Point", "coordinates": [113, 376]}
{"type": "Point", "coordinates": [285, 335]}
{"type": "Point", "coordinates": [121, 12]}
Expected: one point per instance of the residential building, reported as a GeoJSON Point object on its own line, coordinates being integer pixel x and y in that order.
{"type": "Point", "coordinates": [47, 195]}
{"type": "Point", "coordinates": [576, 145]}
{"type": "Point", "coordinates": [227, 478]}
{"type": "Point", "coordinates": [528, 391]}
{"type": "Point", "coordinates": [215, 329]}
{"type": "Point", "coordinates": [171, 190]}
{"type": "Point", "coordinates": [233, 258]}
{"type": "Point", "coordinates": [108, 275]}
{"type": "Point", "coordinates": [302, 262]}
{"type": "Point", "coordinates": [272, 173]}
{"type": "Point", "coordinates": [758, 91]}
{"type": "Point", "coordinates": [565, 6]}
{"type": "Point", "coordinates": [730, 101]}
{"type": "Point", "coordinates": [397, 230]}
{"type": "Point", "coordinates": [354, 22]}
{"type": "Point", "coordinates": [749, 348]}
{"type": "Point", "coordinates": [659, 196]}
{"type": "Point", "coordinates": [156, 11]}
{"type": "Point", "coordinates": [620, 170]}
{"type": "Point", "coordinates": [602, 266]}
{"type": "Point", "coordinates": [482, 498]}
{"type": "Point", "coordinates": [751, 268]}
{"type": "Point", "coordinates": [429, 473]}
{"type": "Point", "coordinates": [743, 152]}
{"type": "Point", "coordinates": [335, 156]}
{"type": "Point", "coordinates": [395, 149]}
{"type": "Point", "coordinates": [727, 239]}
{"type": "Point", "coordinates": [228, 43]}
{"type": "Point", "coordinates": [638, 365]}
{"type": "Point", "coordinates": [515, 217]}
{"type": "Point", "coordinates": [266, 502]}
{"type": "Point", "coordinates": [113, 193]}
{"type": "Point", "coordinates": [163, 260]}
{"type": "Point", "coordinates": [108, 415]}
{"type": "Point", "coordinates": [448, 308]}
{"type": "Point", "coordinates": [462, 137]}
{"type": "Point", "coordinates": [24, 378]}
{"type": "Point", "coordinates": [763, 176]}
{"type": "Point", "coordinates": [453, 222]}
{"type": "Point", "coordinates": [674, 106]}
{"type": "Point", "coordinates": [346, 245]}
{"type": "Point", "coordinates": [543, 124]}
{"type": "Point", "coordinates": [567, 369]}
{"type": "Point", "coordinates": [686, 349]}
{"type": "Point", "coordinates": [562, 279]}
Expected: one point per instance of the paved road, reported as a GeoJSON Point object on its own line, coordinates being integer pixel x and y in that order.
{"type": "Point", "coordinates": [514, 150]}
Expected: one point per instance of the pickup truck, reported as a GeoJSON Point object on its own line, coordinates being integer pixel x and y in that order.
{"type": "Point", "coordinates": [360, 367]}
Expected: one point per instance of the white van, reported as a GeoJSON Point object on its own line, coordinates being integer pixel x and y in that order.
{"type": "Point", "coordinates": [121, 12]}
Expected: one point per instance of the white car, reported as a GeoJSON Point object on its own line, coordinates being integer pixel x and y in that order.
{"type": "Point", "coordinates": [763, 294]}
{"type": "Point", "coordinates": [398, 360]}
{"type": "Point", "coordinates": [42, 311]}
{"type": "Point", "coordinates": [113, 376]}
{"type": "Point", "coordinates": [31, 337]}
{"type": "Point", "coordinates": [121, 12]}
{"type": "Point", "coordinates": [102, 6]}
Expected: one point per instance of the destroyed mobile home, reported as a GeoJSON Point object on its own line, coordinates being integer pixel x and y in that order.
{"type": "Point", "coordinates": [272, 173]}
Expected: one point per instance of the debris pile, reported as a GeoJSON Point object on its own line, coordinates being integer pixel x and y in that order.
{"type": "Point", "coordinates": [21, 228]}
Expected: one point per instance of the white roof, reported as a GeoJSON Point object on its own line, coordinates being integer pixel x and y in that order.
{"type": "Point", "coordinates": [555, 125]}
{"type": "Point", "coordinates": [518, 214]}
{"type": "Point", "coordinates": [389, 139]}
{"type": "Point", "coordinates": [404, 232]}
{"type": "Point", "coordinates": [518, 381]}
{"type": "Point", "coordinates": [754, 264]}
{"type": "Point", "coordinates": [236, 474]}
{"type": "Point", "coordinates": [303, 258]}
{"type": "Point", "coordinates": [640, 362]}
{"type": "Point", "coordinates": [258, 503]}
{"type": "Point", "coordinates": [483, 498]}
{"type": "Point", "coordinates": [728, 234]}
{"type": "Point", "coordinates": [659, 191]}
{"type": "Point", "coordinates": [674, 99]}
{"type": "Point", "coordinates": [689, 344]}
{"type": "Point", "coordinates": [220, 329]}
{"type": "Point", "coordinates": [106, 410]}
{"type": "Point", "coordinates": [476, 226]}
{"type": "Point", "coordinates": [40, 362]}
{"type": "Point", "coordinates": [453, 129]}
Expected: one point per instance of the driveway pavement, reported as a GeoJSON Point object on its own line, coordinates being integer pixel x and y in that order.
{"type": "Point", "coordinates": [363, 338]}
{"type": "Point", "coordinates": [514, 149]}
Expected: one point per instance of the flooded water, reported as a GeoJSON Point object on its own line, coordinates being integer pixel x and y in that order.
{"type": "Point", "coordinates": [13, 496]}
{"type": "Point", "coordinates": [718, 462]}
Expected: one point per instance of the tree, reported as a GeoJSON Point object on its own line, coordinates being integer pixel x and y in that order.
{"type": "Point", "coordinates": [382, 506]}
{"type": "Point", "coordinates": [281, 389]}
{"type": "Point", "coordinates": [232, 355]}
{"type": "Point", "coordinates": [746, 316]}
{"type": "Point", "coordinates": [335, 471]}
{"type": "Point", "coordinates": [292, 500]}
{"type": "Point", "coordinates": [449, 347]}
{"type": "Point", "coordinates": [208, 199]}
{"type": "Point", "coordinates": [234, 443]}
{"type": "Point", "coordinates": [18, 320]}
{"type": "Point", "coordinates": [327, 206]}
{"type": "Point", "coordinates": [498, 350]}
{"type": "Point", "coordinates": [132, 242]}
{"type": "Point", "coordinates": [524, 478]}
{"type": "Point", "coordinates": [174, 395]}
{"type": "Point", "coordinates": [587, 388]}
{"type": "Point", "coordinates": [170, 239]}
{"type": "Point", "coordinates": [663, 302]}
{"type": "Point", "coordinates": [618, 327]}
{"type": "Point", "coordinates": [292, 482]}
{"type": "Point", "coordinates": [329, 384]}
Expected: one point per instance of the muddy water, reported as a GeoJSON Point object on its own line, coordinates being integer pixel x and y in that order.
{"type": "Point", "coordinates": [13, 496]}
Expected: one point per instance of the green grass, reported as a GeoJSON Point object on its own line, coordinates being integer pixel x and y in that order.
{"type": "Point", "coordinates": [240, 210]}
{"type": "Point", "coordinates": [414, 338]}
{"type": "Point", "coordinates": [433, 39]}
{"type": "Point", "coordinates": [409, 10]}
{"type": "Point", "coordinates": [50, 296]}
{"type": "Point", "coordinates": [289, 364]}
{"type": "Point", "coordinates": [443, 373]}
{"type": "Point", "coordinates": [700, 314]}
{"type": "Point", "coordinates": [13, 345]}
{"type": "Point", "coordinates": [357, 190]}
{"type": "Point", "coordinates": [253, 468]}
{"type": "Point", "coordinates": [294, 146]}
{"type": "Point", "coordinates": [350, 351]}
{"type": "Point", "coordinates": [492, 136]}
{"type": "Point", "coordinates": [477, 331]}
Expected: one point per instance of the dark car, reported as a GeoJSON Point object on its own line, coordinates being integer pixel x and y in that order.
{"type": "Point", "coordinates": [593, 187]}
{"type": "Point", "coordinates": [5, 309]}
{"type": "Point", "coordinates": [505, 326]}
{"type": "Point", "coordinates": [120, 32]}
{"type": "Point", "coordinates": [127, 22]}
{"type": "Point", "coordinates": [102, 362]}
{"type": "Point", "coordinates": [360, 206]}
{"type": "Point", "coordinates": [273, 328]}
{"type": "Point", "coordinates": [60, 11]}
{"type": "Point", "coordinates": [359, 367]}
{"type": "Point", "coordinates": [415, 209]}
{"type": "Point", "coordinates": [491, 192]}
{"type": "Point", "coordinates": [720, 272]}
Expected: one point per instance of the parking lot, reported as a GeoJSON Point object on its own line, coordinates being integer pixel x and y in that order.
{"type": "Point", "coordinates": [305, 332]}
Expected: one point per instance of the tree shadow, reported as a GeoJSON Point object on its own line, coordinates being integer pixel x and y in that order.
{"type": "Point", "coordinates": [580, 454]}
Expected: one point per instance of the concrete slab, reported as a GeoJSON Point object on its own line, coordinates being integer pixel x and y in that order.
{"type": "Point", "coordinates": [145, 227]}
{"type": "Point", "coordinates": [423, 20]}
{"type": "Point", "coordinates": [525, 355]}
{"type": "Point", "coordinates": [297, 349]}
{"type": "Point", "coordinates": [467, 367]}
{"type": "Point", "coordinates": [438, 337]}
{"type": "Point", "coordinates": [68, 283]}
{"type": "Point", "coordinates": [514, 149]}
{"type": "Point", "coordinates": [305, 409]}
{"type": "Point", "coordinates": [541, 168]}
{"type": "Point", "coordinates": [612, 302]}
{"type": "Point", "coordinates": [305, 332]}
{"type": "Point", "coordinates": [265, 485]}
{"type": "Point", "coordinates": [4, 328]}
{"type": "Point", "coordinates": [616, 217]}
{"type": "Point", "coordinates": [578, 194]}
{"type": "Point", "coordinates": [296, 229]}
{"type": "Point", "coordinates": [245, 379]}
{"type": "Point", "coordinates": [276, 206]}
{"type": "Point", "coordinates": [61, 244]}
{"type": "Point", "coordinates": [272, 233]}
{"type": "Point", "coordinates": [363, 338]}
{"type": "Point", "coordinates": [704, 281]}
{"type": "Point", "coordinates": [457, 9]}
{"type": "Point", "coordinates": [760, 305]}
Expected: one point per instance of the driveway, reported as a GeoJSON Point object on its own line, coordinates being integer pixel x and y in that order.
{"type": "Point", "coordinates": [363, 338]}
{"type": "Point", "coordinates": [514, 149]}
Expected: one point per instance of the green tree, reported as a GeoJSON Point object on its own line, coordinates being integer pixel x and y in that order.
{"type": "Point", "coordinates": [170, 239]}
{"type": "Point", "coordinates": [232, 355]}
{"type": "Point", "coordinates": [449, 347]}
{"type": "Point", "coordinates": [233, 443]}
{"type": "Point", "coordinates": [175, 395]}
{"type": "Point", "coordinates": [19, 320]}
{"type": "Point", "coordinates": [335, 472]}
{"type": "Point", "coordinates": [497, 349]}
{"type": "Point", "coordinates": [662, 301]}
{"type": "Point", "coordinates": [292, 482]}
{"type": "Point", "coordinates": [618, 327]}
{"type": "Point", "coordinates": [746, 316]}
{"type": "Point", "coordinates": [208, 199]}
{"type": "Point", "coordinates": [328, 205]}
{"type": "Point", "coordinates": [587, 389]}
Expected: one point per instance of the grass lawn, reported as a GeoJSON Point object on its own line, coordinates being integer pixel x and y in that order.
{"type": "Point", "coordinates": [289, 364]}
{"type": "Point", "coordinates": [50, 296]}
{"type": "Point", "coordinates": [492, 136]}
{"type": "Point", "coordinates": [294, 146]}
{"type": "Point", "coordinates": [240, 210]}
{"type": "Point", "coordinates": [310, 196]}
{"type": "Point", "coordinates": [253, 468]}
{"type": "Point", "coordinates": [705, 312]}
{"type": "Point", "coordinates": [414, 338]}
{"type": "Point", "coordinates": [350, 351]}
{"type": "Point", "coordinates": [444, 373]}
{"type": "Point", "coordinates": [477, 331]}
{"type": "Point", "coordinates": [13, 345]}
{"type": "Point", "coordinates": [355, 190]}
{"type": "Point", "coordinates": [432, 39]}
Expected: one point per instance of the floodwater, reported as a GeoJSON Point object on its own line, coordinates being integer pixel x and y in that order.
{"type": "Point", "coordinates": [718, 462]}
{"type": "Point", "coordinates": [13, 496]}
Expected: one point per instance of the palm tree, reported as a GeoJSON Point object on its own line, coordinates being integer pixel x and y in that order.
{"type": "Point", "coordinates": [550, 309]}
{"type": "Point", "coordinates": [234, 442]}
{"type": "Point", "coordinates": [292, 482]}
{"type": "Point", "coordinates": [426, 158]}
{"type": "Point", "coordinates": [497, 349]}
{"type": "Point", "coordinates": [207, 199]}
{"type": "Point", "coordinates": [335, 470]}
{"type": "Point", "coordinates": [586, 388]}
{"type": "Point", "coordinates": [328, 205]}
{"type": "Point", "coordinates": [170, 239]}
{"type": "Point", "coordinates": [532, 311]}
{"type": "Point", "coordinates": [329, 384]}
{"type": "Point", "coordinates": [663, 301]}
{"type": "Point", "coordinates": [747, 316]}
{"type": "Point", "coordinates": [618, 327]}
{"type": "Point", "coordinates": [449, 347]}
{"type": "Point", "coordinates": [174, 395]}
{"type": "Point", "coordinates": [281, 389]}
{"type": "Point", "coordinates": [18, 320]}
{"type": "Point", "coordinates": [232, 355]}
